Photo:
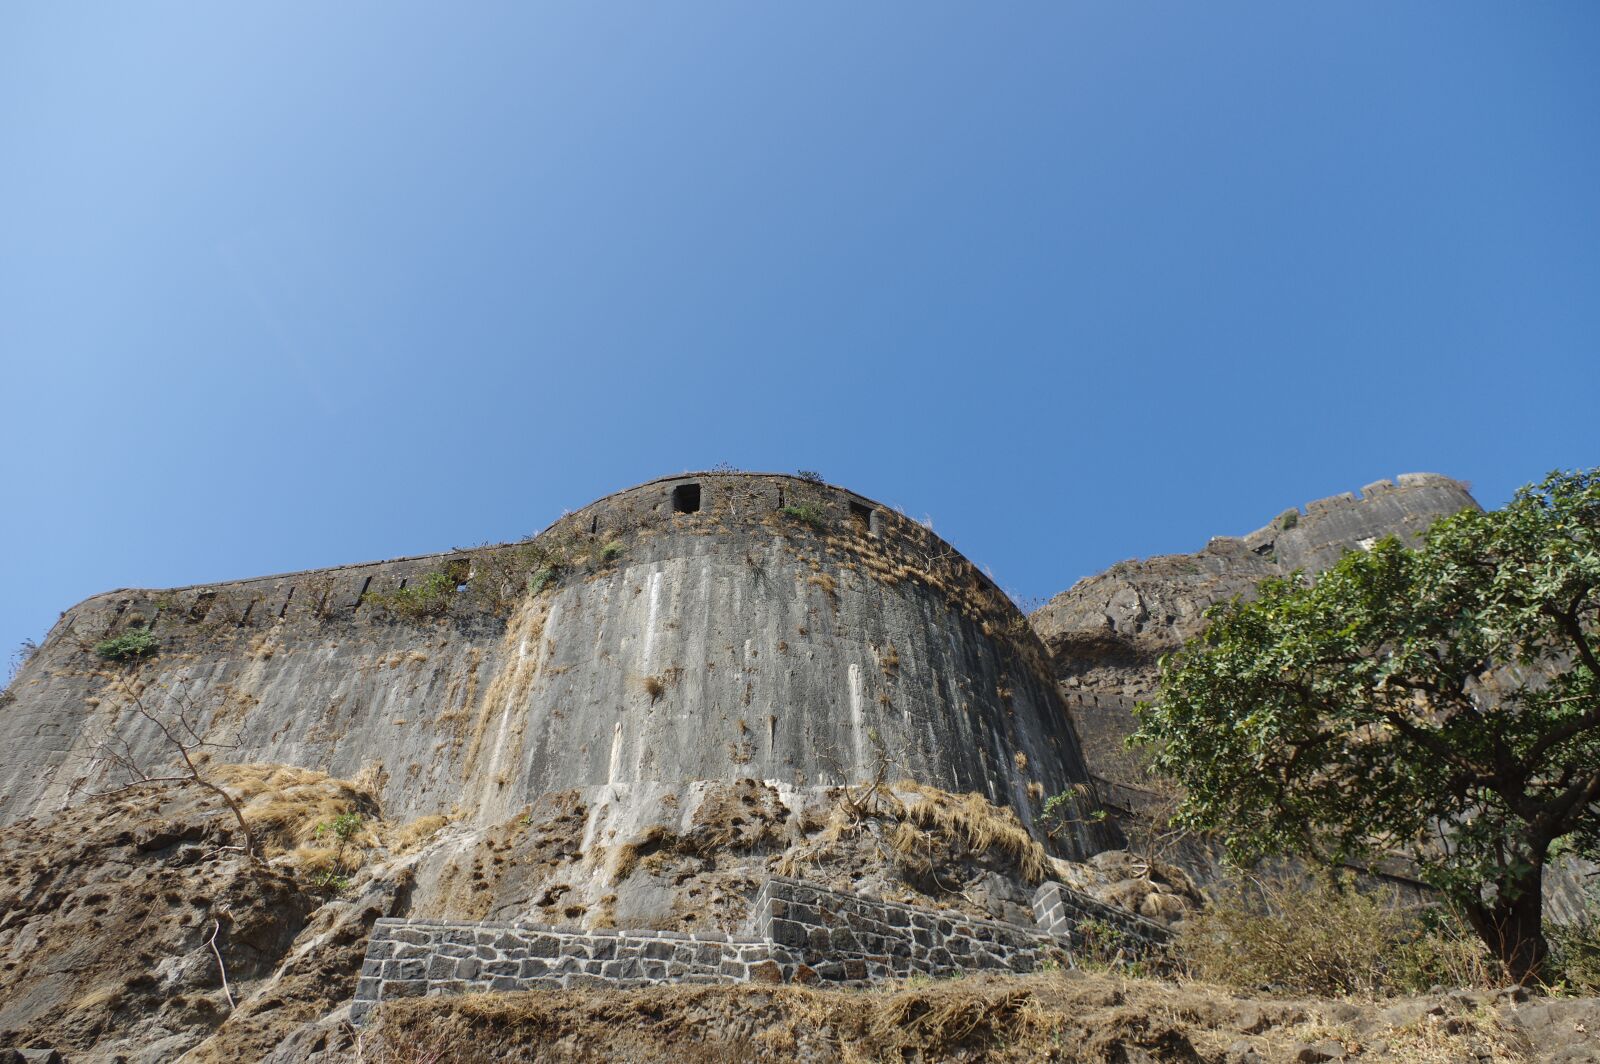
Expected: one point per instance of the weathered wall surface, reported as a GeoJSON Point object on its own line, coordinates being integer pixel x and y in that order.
{"type": "Point", "coordinates": [782, 630]}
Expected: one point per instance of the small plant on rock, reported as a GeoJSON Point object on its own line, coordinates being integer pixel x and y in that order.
{"type": "Point", "coordinates": [428, 597]}
{"type": "Point", "coordinates": [806, 513]}
{"type": "Point", "coordinates": [344, 827]}
{"type": "Point", "coordinates": [130, 645]}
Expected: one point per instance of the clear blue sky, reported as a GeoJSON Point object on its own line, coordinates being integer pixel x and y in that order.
{"type": "Point", "coordinates": [288, 285]}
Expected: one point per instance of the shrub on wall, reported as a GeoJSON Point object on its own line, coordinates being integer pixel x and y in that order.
{"type": "Point", "coordinates": [132, 644]}
{"type": "Point", "coordinates": [428, 597]}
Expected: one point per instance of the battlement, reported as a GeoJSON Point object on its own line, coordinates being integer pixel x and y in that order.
{"type": "Point", "coordinates": [1405, 482]}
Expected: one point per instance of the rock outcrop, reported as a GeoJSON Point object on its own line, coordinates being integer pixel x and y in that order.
{"type": "Point", "coordinates": [1107, 632]}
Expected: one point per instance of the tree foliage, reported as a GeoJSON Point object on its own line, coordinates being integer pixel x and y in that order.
{"type": "Point", "coordinates": [1442, 702]}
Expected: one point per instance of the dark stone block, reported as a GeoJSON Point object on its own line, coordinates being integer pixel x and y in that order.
{"type": "Point", "coordinates": [603, 950]}
{"type": "Point", "coordinates": [367, 989]}
{"type": "Point", "coordinates": [402, 988]}
{"type": "Point", "coordinates": [468, 968]}
{"type": "Point", "coordinates": [789, 933]}
{"type": "Point", "coordinates": [620, 969]}
{"type": "Point", "coordinates": [766, 972]}
{"type": "Point", "coordinates": [543, 945]}
{"type": "Point", "coordinates": [503, 968]}
{"type": "Point", "coordinates": [502, 983]}
{"type": "Point", "coordinates": [659, 951]}
{"type": "Point", "coordinates": [441, 968]}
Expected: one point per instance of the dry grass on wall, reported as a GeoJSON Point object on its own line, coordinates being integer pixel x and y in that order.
{"type": "Point", "coordinates": [922, 826]}
{"type": "Point", "coordinates": [322, 827]}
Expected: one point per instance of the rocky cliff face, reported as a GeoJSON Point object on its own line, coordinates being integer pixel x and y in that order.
{"type": "Point", "coordinates": [1106, 633]}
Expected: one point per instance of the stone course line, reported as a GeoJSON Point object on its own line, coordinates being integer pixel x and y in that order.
{"type": "Point", "coordinates": [798, 932]}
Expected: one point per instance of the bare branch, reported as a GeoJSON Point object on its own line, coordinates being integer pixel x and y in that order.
{"type": "Point", "coordinates": [216, 926]}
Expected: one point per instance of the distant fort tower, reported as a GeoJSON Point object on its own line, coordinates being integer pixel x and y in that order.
{"type": "Point", "coordinates": [710, 626]}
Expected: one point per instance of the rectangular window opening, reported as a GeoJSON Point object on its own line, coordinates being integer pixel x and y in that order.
{"type": "Point", "coordinates": [865, 517]}
{"type": "Point", "coordinates": [686, 498]}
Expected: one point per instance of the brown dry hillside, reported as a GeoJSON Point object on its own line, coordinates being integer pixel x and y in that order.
{"type": "Point", "coordinates": [1063, 1016]}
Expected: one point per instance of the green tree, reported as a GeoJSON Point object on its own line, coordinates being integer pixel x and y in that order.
{"type": "Point", "coordinates": [1442, 702]}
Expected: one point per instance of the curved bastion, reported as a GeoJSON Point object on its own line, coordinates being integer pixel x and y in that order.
{"type": "Point", "coordinates": [710, 626]}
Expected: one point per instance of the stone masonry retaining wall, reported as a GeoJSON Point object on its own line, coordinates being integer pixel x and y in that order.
{"type": "Point", "coordinates": [1084, 923]}
{"type": "Point", "coordinates": [799, 933]}
{"type": "Point", "coordinates": [853, 939]}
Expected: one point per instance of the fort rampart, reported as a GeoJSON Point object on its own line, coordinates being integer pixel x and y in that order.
{"type": "Point", "coordinates": [705, 626]}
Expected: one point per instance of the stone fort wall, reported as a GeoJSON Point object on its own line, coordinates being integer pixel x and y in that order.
{"type": "Point", "coordinates": [798, 933]}
{"type": "Point", "coordinates": [705, 626]}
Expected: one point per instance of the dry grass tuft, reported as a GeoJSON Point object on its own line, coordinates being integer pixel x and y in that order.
{"type": "Point", "coordinates": [981, 825]}
{"type": "Point", "coordinates": [626, 857]}
{"type": "Point", "coordinates": [413, 835]}
{"type": "Point", "coordinates": [286, 806]}
{"type": "Point", "coordinates": [826, 582]}
{"type": "Point", "coordinates": [1322, 937]}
